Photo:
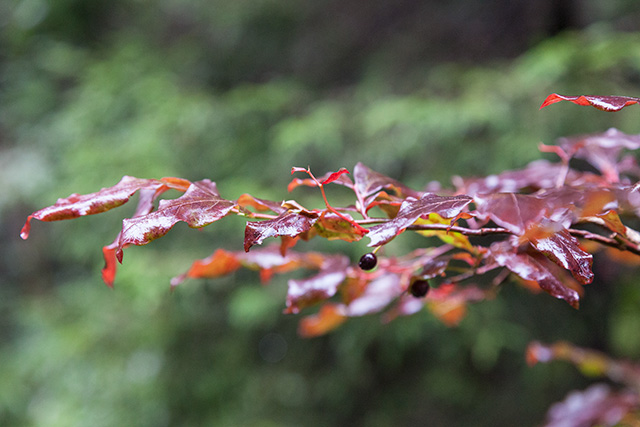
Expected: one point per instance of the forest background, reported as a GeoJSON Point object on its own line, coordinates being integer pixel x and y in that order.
{"type": "Point", "coordinates": [239, 92]}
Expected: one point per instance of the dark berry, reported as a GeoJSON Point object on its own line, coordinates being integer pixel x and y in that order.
{"type": "Point", "coordinates": [368, 261]}
{"type": "Point", "coordinates": [419, 288]}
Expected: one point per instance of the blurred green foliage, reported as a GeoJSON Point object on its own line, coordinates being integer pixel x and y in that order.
{"type": "Point", "coordinates": [239, 92]}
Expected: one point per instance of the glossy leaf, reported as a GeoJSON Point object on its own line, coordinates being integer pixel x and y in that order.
{"type": "Point", "coordinates": [368, 182]}
{"type": "Point", "coordinates": [286, 224]}
{"type": "Point", "coordinates": [604, 103]}
{"type": "Point", "coordinates": [563, 249]}
{"type": "Point", "coordinates": [77, 205]}
{"type": "Point", "coordinates": [200, 205]}
{"type": "Point", "coordinates": [145, 206]}
{"type": "Point", "coordinates": [533, 267]}
{"type": "Point", "coordinates": [412, 209]}
{"type": "Point", "coordinates": [514, 212]}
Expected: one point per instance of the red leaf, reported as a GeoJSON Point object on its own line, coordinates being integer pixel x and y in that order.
{"type": "Point", "coordinates": [368, 182]}
{"type": "Point", "coordinates": [328, 318]}
{"type": "Point", "coordinates": [77, 205]}
{"type": "Point", "coordinates": [219, 264]}
{"type": "Point", "coordinates": [145, 205]}
{"type": "Point", "coordinates": [533, 267]}
{"type": "Point", "coordinates": [604, 103]}
{"type": "Point", "coordinates": [333, 176]}
{"type": "Point", "coordinates": [305, 292]}
{"type": "Point", "coordinates": [110, 264]}
{"type": "Point", "coordinates": [199, 206]}
{"type": "Point", "coordinates": [268, 260]}
{"type": "Point", "coordinates": [287, 224]}
{"type": "Point", "coordinates": [563, 249]}
{"type": "Point", "coordinates": [412, 209]}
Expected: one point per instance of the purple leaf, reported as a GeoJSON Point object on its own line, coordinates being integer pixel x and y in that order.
{"type": "Point", "coordinates": [563, 249]}
{"type": "Point", "coordinates": [368, 182]}
{"type": "Point", "coordinates": [200, 205]}
{"type": "Point", "coordinates": [533, 267]}
{"type": "Point", "coordinates": [412, 209]}
{"type": "Point", "coordinates": [514, 212]}
{"type": "Point", "coordinates": [77, 205]}
{"type": "Point", "coordinates": [286, 224]}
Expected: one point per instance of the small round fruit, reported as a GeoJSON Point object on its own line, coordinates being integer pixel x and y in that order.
{"type": "Point", "coordinates": [419, 288]}
{"type": "Point", "coordinates": [368, 261]}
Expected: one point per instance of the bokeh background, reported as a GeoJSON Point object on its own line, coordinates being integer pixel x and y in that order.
{"type": "Point", "coordinates": [239, 91]}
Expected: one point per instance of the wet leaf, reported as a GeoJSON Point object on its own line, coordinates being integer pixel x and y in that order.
{"type": "Point", "coordinates": [286, 224]}
{"type": "Point", "coordinates": [515, 212]}
{"type": "Point", "coordinates": [533, 267]}
{"type": "Point", "coordinates": [368, 182]}
{"type": "Point", "coordinates": [200, 205]}
{"type": "Point", "coordinates": [412, 209]}
{"type": "Point", "coordinates": [564, 249]}
{"type": "Point", "coordinates": [77, 205]}
{"type": "Point", "coordinates": [145, 206]}
{"type": "Point", "coordinates": [604, 103]}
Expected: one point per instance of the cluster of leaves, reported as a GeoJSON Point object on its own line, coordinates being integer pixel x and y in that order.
{"type": "Point", "coordinates": [599, 404]}
{"type": "Point", "coordinates": [538, 225]}
{"type": "Point", "coordinates": [530, 223]}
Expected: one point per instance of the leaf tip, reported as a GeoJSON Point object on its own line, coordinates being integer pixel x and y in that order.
{"type": "Point", "coordinates": [551, 99]}
{"type": "Point", "coordinates": [24, 233]}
